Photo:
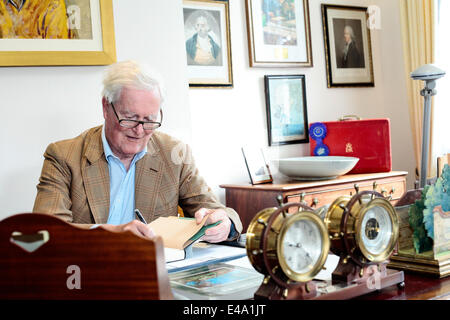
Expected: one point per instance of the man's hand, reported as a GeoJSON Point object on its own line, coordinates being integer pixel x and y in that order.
{"type": "Point", "coordinates": [221, 231]}
{"type": "Point", "coordinates": [136, 227]}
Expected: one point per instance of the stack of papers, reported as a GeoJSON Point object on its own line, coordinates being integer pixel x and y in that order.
{"type": "Point", "coordinates": [207, 253]}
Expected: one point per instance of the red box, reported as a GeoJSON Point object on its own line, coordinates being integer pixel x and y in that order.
{"type": "Point", "coordinates": [369, 140]}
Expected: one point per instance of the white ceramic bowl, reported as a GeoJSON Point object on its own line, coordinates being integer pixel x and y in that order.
{"type": "Point", "coordinates": [316, 168]}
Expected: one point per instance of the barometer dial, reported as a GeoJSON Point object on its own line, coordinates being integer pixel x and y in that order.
{"type": "Point", "coordinates": [363, 227]}
{"type": "Point", "coordinates": [377, 230]}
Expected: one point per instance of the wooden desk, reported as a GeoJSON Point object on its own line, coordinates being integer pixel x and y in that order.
{"type": "Point", "coordinates": [417, 287]}
{"type": "Point", "coordinates": [249, 199]}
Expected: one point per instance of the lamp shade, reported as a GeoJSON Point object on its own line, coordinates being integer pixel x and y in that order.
{"type": "Point", "coordinates": [427, 72]}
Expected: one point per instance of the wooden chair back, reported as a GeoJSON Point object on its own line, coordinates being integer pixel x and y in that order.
{"type": "Point", "coordinates": [43, 257]}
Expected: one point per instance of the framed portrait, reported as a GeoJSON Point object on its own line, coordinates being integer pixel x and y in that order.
{"type": "Point", "coordinates": [256, 164]}
{"type": "Point", "coordinates": [56, 32]}
{"type": "Point", "coordinates": [208, 45]}
{"type": "Point", "coordinates": [287, 120]}
{"type": "Point", "coordinates": [279, 33]}
{"type": "Point", "coordinates": [348, 50]}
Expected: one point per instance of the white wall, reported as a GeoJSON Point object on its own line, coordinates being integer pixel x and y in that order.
{"type": "Point", "coordinates": [40, 105]}
{"type": "Point", "coordinates": [53, 103]}
{"type": "Point", "coordinates": [391, 76]}
{"type": "Point", "coordinates": [223, 120]}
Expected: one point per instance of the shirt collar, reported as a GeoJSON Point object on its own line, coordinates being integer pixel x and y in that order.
{"type": "Point", "coordinates": [109, 153]}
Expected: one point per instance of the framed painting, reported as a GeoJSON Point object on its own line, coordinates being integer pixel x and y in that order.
{"type": "Point", "coordinates": [279, 33]}
{"type": "Point", "coordinates": [348, 50]}
{"type": "Point", "coordinates": [287, 119]}
{"type": "Point", "coordinates": [207, 41]}
{"type": "Point", "coordinates": [56, 32]}
{"type": "Point", "coordinates": [256, 164]}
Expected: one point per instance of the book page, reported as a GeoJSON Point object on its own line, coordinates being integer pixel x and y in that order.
{"type": "Point", "coordinates": [175, 231]}
{"type": "Point", "coordinates": [171, 254]}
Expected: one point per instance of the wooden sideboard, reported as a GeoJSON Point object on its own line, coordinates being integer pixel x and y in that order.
{"type": "Point", "coordinates": [249, 199]}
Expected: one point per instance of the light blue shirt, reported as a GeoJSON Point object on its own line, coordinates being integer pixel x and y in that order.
{"type": "Point", "coordinates": [121, 181]}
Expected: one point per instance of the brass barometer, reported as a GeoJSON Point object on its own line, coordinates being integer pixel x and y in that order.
{"type": "Point", "coordinates": [363, 228]}
{"type": "Point", "coordinates": [289, 249]}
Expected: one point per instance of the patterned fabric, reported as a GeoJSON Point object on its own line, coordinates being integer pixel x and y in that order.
{"type": "Point", "coordinates": [74, 182]}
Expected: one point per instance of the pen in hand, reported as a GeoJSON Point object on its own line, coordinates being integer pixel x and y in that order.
{"type": "Point", "coordinates": [140, 216]}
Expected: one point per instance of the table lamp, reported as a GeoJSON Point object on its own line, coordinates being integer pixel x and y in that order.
{"type": "Point", "coordinates": [428, 73]}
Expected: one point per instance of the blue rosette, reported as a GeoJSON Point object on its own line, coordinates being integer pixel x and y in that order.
{"type": "Point", "coordinates": [321, 150]}
{"type": "Point", "coordinates": [318, 131]}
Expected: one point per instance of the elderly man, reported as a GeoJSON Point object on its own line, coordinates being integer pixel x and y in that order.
{"type": "Point", "coordinates": [104, 174]}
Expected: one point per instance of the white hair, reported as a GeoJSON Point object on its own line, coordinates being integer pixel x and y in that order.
{"type": "Point", "coordinates": [201, 19]}
{"type": "Point", "coordinates": [130, 74]}
{"type": "Point", "coordinates": [349, 29]}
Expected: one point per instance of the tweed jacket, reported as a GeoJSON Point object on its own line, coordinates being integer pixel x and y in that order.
{"type": "Point", "coordinates": [74, 182]}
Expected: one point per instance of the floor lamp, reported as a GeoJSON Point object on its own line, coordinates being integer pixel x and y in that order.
{"type": "Point", "coordinates": [428, 73]}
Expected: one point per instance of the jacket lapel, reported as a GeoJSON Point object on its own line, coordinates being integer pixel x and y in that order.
{"type": "Point", "coordinates": [95, 174]}
{"type": "Point", "coordinates": [148, 180]}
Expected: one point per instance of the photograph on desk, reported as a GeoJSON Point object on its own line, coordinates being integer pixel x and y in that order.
{"type": "Point", "coordinates": [257, 167]}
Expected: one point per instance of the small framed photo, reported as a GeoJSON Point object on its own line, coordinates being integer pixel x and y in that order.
{"type": "Point", "coordinates": [348, 50]}
{"type": "Point", "coordinates": [207, 41]}
{"type": "Point", "coordinates": [279, 33]}
{"type": "Point", "coordinates": [287, 119]}
{"type": "Point", "coordinates": [257, 167]}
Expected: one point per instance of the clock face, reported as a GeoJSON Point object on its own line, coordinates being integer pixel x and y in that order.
{"type": "Point", "coordinates": [376, 230]}
{"type": "Point", "coordinates": [302, 246]}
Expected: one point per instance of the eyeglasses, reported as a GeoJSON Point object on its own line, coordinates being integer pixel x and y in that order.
{"type": "Point", "coordinates": [130, 124]}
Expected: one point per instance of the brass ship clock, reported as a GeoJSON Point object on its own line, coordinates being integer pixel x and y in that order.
{"type": "Point", "coordinates": [290, 249]}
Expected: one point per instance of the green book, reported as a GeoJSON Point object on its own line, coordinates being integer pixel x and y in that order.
{"type": "Point", "coordinates": [201, 232]}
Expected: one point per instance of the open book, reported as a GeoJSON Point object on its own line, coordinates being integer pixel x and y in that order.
{"type": "Point", "coordinates": [179, 234]}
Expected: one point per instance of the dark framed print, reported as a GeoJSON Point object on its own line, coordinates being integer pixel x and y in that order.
{"type": "Point", "coordinates": [208, 45]}
{"type": "Point", "coordinates": [348, 50]}
{"type": "Point", "coordinates": [287, 119]}
{"type": "Point", "coordinates": [256, 164]}
{"type": "Point", "coordinates": [56, 33]}
{"type": "Point", "coordinates": [279, 33]}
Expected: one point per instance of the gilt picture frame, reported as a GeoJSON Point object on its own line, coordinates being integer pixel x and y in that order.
{"type": "Point", "coordinates": [208, 43]}
{"type": "Point", "coordinates": [348, 49]}
{"type": "Point", "coordinates": [287, 118]}
{"type": "Point", "coordinates": [91, 40]}
{"type": "Point", "coordinates": [279, 33]}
